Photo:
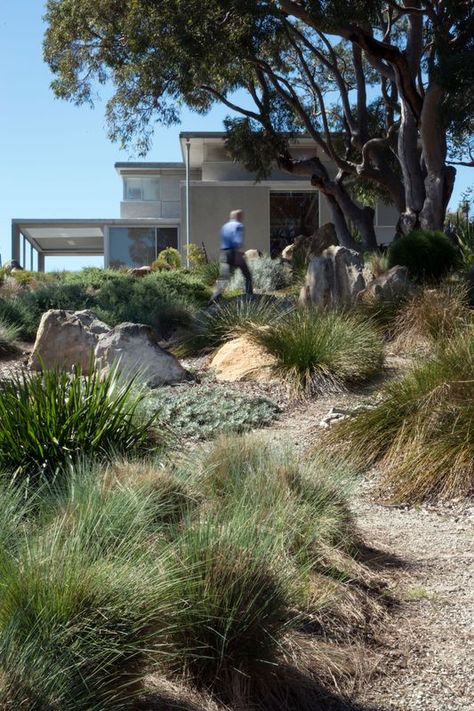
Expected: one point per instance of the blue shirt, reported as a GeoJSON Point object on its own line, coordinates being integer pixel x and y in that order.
{"type": "Point", "coordinates": [232, 235]}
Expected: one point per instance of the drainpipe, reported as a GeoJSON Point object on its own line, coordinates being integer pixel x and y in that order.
{"type": "Point", "coordinates": [188, 213]}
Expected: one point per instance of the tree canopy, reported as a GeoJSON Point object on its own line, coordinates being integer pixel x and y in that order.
{"type": "Point", "coordinates": [385, 89]}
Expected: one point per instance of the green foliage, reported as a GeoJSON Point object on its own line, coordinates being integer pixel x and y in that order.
{"type": "Point", "coordinates": [8, 336]}
{"type": "Point", "coordinates": [171, 256]}
{"type": "Point", "coordinates": [15, 313]}
{"type": "Point", "coordinates": [268, 275]}
{"type": "Point", "coordinates": [222, 321]}
{"type": "Point", "coordinates": [50, 420]}
{"type": "Point", "coordinates": [196, 255]}
{"type": "Point", "coordinates": [426, 254]}
{"type": "Point", "coordinates": [85, 608]}
{"type": "Point", "coordinates": [422, 430]}
{"type": "Point", "coordinates": [207, 273]}
{"type": "Point", "coordinates": [377, 262]}
{"type": "Point", "coordinates": [204, 412]}
{"type": "Point", "coordinates": [320, 350]}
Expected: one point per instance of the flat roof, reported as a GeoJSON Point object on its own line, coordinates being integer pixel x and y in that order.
{"type": "Point", "coordinates": [75, 237]}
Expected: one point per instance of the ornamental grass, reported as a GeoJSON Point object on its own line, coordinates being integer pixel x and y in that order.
{"type": "Point", "coordinates": [422, 431]}
{"type": "Point", "coordinates": [317, 351]}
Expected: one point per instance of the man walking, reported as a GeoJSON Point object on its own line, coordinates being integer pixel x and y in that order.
{"type": "Point", "coordinates": [232, 257]}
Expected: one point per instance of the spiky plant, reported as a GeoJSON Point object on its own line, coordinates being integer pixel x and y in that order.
{"type": "Point", "coordinates": [51, 419]}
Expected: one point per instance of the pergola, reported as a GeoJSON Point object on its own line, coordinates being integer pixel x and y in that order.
{"type": "Point", "coordinates": [76, 238]}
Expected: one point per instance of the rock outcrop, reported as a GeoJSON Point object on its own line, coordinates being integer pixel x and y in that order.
{"type": "Point", "coordinates": [393, 283]}
{"type": "Point", "coordinates": [335, 278]}
{"type": "Point", "coordinates": [68, 339]}
{"type": "Point", "coordinates": [305, 248]}
{"type": "Point", "coordinates": [134, 349]}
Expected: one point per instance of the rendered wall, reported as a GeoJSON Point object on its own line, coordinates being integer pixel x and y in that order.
{"type": "Point", "coordinates": [210, 207]}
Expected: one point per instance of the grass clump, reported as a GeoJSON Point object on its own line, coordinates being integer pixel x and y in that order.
{"type": "Point", "coordinates": [204, 412]}
{"type": "Point", "coordinates": [433, 315]}
{"type": "Point", "coordinates": [421, 432]}
{"type": "Point", "coordinates": [377, 263]}
{"type": "Point", "coordinates": [219, 323]}
{"type": "Point", "coordinates": [52, 419]}
{"type": "Point", "coordinates": [320, 350]}
{"type": "Point", "coordinates": [428, 255]}
{"type": "Point", "coordinates": [8, 336]}
{"type": "Point", "coordinates": [85, 608]}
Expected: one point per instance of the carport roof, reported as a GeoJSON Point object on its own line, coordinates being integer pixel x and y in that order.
{"type": "Point", "coordinates": [80, 237]}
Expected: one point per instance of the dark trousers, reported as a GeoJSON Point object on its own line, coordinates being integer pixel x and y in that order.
{"type": "Point", "coordinates": [232, 259]}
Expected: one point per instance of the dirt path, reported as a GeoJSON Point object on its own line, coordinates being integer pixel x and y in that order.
{"type": "Point", "coordinates": [429, 660]}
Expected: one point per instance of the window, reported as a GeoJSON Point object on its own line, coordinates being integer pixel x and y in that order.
{"type": "Point", "coordinates": [292, 214]}
{"type": "Point", "coordinates": [143, 189]}
{"type": "Point", "coordinates": [139, 246]}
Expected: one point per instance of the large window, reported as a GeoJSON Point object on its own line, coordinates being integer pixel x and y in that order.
{"type": "Point", "coordinates": [143, 189]}
{"type": "Point", "coordinates": [139, 246]}
{"type": "Point", "coordinates": [292, 214]}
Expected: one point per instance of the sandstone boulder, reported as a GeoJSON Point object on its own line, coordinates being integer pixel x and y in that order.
{"type": "Point", "coordinates": [240, 360]}
{"type": "Point", "coordinates": [134, 350]}
{"type": "Point", "coordinates": [335, 278]}
{"type": "Point", "coordinates": [66, 339]}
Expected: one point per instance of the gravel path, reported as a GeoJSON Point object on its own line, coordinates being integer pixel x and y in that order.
{"type": "Point", "coordinates": [428, 664]}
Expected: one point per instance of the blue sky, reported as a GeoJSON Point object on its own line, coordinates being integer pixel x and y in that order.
{"type": "Point", "coordinates": [57, 161]}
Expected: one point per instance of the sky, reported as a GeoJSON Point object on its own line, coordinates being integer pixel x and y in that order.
{"type": "Point", "coordinates": [56, 158]}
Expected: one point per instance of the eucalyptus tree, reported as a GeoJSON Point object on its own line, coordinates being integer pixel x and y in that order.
{"type": "Point", "coordinates": [379, 86]}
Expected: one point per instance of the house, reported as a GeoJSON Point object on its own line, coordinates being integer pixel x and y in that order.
{"type": "Point", "coordinates": [173, 204]}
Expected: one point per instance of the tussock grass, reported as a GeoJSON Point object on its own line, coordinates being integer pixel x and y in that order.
{"type": "Point", "coordinates": [377, 262]}
{"type": "Point", "coordinates": [224, 320]}
{"type": "Point", "coordinates": [85, 604]}
{"type": "Point", "coordinates": [8, 335]}
{"type": "Point", "coordinates": [318, 351]}
{"type": "Point", "coordinates": [49, 420]}
{"type": "Point", "coordinates": [422, 432]}
{"type": "Point", "coordinates": [433, 315]}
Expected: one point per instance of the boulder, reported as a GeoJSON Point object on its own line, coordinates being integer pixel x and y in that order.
{"type": "Point", "coordinates": [288, 252]}
{"type": "Point", "coordinates": [240, 359]}
{"type": "Point", "coordinates": [335, 278]}
{"type": "Point", "coordinates": [252, 254]}
{"type": "Point", "coordinates": [134, 350]}
{"type": "Point", "coordinates": [395, 282]}
{"type": "Point", "coordinates": [140, 271]}
{"type": "Point", "coordinates": [66, 339]}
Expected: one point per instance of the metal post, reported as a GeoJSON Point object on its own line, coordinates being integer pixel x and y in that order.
{"type": "Point", "coordinates": [188, 212]}
{"type": "Point", "coordinates": [41, 261]}
{"type": "Point", "coordinates": [16, 242]}
{"type": "Point", "coordinates": [31, 257]}
{"type": "Point", "coordinates": [23, 263]}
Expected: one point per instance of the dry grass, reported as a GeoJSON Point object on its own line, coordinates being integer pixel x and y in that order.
{"type": "Point", "coordinates": [422, 431]}
{"type": "Point", "coordinates": [433, 315]}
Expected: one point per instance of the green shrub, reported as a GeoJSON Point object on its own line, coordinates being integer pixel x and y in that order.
{"type": "Point", "coordinates": [226, 319]}
{"type": "Point", "coordinates": [422, 430]}
{"type": "Point", "coordinates": [204, 412]}
{"type": "Point", "coordinates": [320, 350]}
{"type": "Point", "coordinates": [51, 419]}
{"type": "Point", "coordinates": [90, 277]}
{"type": "Point", "coordinates": [377, 263]}
{"type": "Point", "coordinates": [426, 254]}
{"type": "Point", "coordinates": [196, 255]}
{"type": "Point", "coordinates": [85, 609]}
{"type": "Point", "coordinates": [146, 300]}
{"type": "Point", "coordinates": [171, 256]}
{"type": "Point", "coordinates": [206, 273]}
{"type": "Point", "coordinates": [268, 275]}
{"type": "Point", "coordinates": [8, 335]}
